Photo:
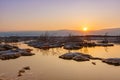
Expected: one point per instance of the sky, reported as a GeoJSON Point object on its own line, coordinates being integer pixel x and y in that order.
{"type": "Point", "coordinates": [40, 15]}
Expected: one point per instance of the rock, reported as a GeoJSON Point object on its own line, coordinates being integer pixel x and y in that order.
{"type": "Point", "coordinates": [19, 74]}
{"type": "Point", "coordinates": [112, 61]}
{"type": "Point", "coordinates": [89, 44]}
{"type": "Point", "coordinates": [4, 47]}
{"type": "Point", "coordinates": [68, 55]}
{"type": "Point", "coordinates": [104, 44]}
{"type": "Point", "coordinates": [44, 45]}
{"type": "Point", "coordinates": [26, 68]}
{"type": "Point", "coordinates": [28, 50]}
{"type": "Point", "coordinates": [86, 55]}
{"type": "Point", "coordinates": [76, 56]}
{"type": "Point", "coordinates": [94, 63]}
{"type": "Point", "coordinates": [21, 71]}
{"type": "Point", "coordinates": [13, 54]}
{"type": "Point", "coordinates": [9, 56]}
{"type": "Point", "coordinates": [26, 54]}
{"type": "Point", "coordinates": [96, 58]}
{"type": "Point", "coordinates": [4, 52]}
{"type": "Point", "coordinates": [72, 46]}
{"type": "Point", "coordinates": [81, 58]}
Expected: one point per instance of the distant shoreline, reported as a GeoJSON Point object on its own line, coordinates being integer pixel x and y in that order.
{"type": "Point", "coordinates": [110, 32]}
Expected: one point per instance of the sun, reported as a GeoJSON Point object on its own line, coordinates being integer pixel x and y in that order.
{"type": "Point", "coordinates": [85, 29]}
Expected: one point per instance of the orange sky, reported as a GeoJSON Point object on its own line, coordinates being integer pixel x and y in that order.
{"type": "Point", "coordinates": [35, 15]}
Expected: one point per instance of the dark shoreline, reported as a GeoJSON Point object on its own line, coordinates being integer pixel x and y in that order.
{"type": "Point", "coordinates": [87, 37]}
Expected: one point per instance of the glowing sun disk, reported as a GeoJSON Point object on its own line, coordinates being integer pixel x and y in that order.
{"type": "Point", "coordinates": [85, 29]}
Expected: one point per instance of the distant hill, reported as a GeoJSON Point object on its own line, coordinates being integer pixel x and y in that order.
{"type": "Point", "coordinates": [39, 33]}
{"type": "Point", "coordinates": [113, 32]}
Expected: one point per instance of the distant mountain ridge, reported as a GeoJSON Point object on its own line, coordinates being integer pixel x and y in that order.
{"type": "Point", "coordinates": [112, 31]}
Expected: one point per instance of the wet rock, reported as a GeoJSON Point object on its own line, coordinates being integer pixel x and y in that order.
{"type": "Point", "coordinates": [76, 56]}
{"type": "Point", "coordinates": [44, 45]}
{"type": "Point", "coordinates": [112, 61]}
{"type": "Point", "coordinates": [94, 63]}
{"type": "Point", "coordinates": [86, 55]}
{"type": "Point", "coordinates": [26, 54]}
{"type": "Point", "coordinates": [4, 52]}
{"type": "Point", "coordinates": [21, 71]}
{"type": "Point", "coordinates": [81, 58]}
{"type": "Point", "coordinates": [104, 44]}
{"type": "Point", "coordinates": [26, 68]}
{"type": "Point", "coordinates": [69, 55]}
{"type": "Point", "coordinates": [13, 54]}
{"type": "Point", "coordinates": [4, 47]}
{"type": "Point", "coordinates": [96, 58]}
{"type": "Point", "coordinates": [88, 44]}
{"type": "Point", "coordinates": [19, 74]}
{"type": "Point", "coordinates": [72, 47]}
{"type": "Point", "coordinates": [28, 50]}
{"type": "Point", "coordinates": [10, 56]}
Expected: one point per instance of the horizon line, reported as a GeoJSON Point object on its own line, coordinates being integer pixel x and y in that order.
{"type": "Point", "coordinates": [56, 30]}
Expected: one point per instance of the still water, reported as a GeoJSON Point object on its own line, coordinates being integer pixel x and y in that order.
{"type": "Point", "coordinates": [46, 65]}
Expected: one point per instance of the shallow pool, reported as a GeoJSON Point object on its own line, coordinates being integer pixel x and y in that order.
{"type": "Point", "coordinates": [46, 65]}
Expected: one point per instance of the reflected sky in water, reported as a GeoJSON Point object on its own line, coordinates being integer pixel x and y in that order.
{"type": "Point", "coordinates": [46, 65]}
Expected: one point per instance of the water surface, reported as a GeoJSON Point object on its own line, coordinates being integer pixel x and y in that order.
{"type": "Point", "coordinates": [46, 65]}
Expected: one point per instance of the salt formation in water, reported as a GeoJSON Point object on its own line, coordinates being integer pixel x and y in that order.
{"type": "Point", "coordinates": [78, 56]}
{"type": "Point", "coordinates": [12, 52]}
{"type": "Point", "coordinates": [86, 57]}
{"type": "Point", "coordinates": [23, 70]}
{"type": "Point", "coordinates": [112, 61]}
